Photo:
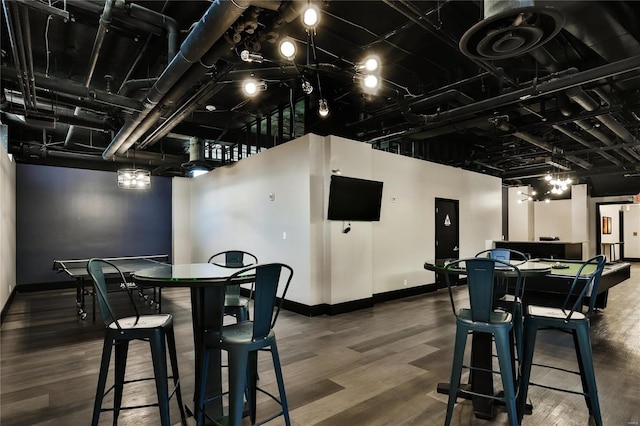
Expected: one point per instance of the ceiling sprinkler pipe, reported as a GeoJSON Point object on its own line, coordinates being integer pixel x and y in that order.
{"type": "Point", "coordinates": [211, 27]}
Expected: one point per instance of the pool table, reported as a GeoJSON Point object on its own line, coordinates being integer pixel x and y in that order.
{"type": "Point", "coordinates": [552, 288]}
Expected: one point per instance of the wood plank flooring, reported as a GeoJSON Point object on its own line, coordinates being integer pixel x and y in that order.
{"type": "Point", "coordinates": [378, 366]}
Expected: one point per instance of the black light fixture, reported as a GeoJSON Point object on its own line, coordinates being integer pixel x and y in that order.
{"type": "Point", "coordinates": [247, 56]}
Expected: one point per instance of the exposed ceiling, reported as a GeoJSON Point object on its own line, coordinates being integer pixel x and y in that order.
{"type": "Point", "coordinates": [512, 89]}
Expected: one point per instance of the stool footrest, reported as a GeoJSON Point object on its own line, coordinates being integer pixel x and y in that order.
{"type": "Point", "coordinates": [557, 389]}
{"type": "Point", "coordinates": [556, 368]}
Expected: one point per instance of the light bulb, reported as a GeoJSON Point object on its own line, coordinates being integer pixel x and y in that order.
{"type": "Point", "coordinates": [250, 88]}
{"type": "Point", "coordinates": [323, 108]}
{"type": "Point", "coordinates": [307, 88]}
{"type": "Point", "coordinates": [288, 49]}
{"type": "Point", "coordinates": [370, 82]}
{"type": "Point", "coordinates": [548, 178]}
{"type": "Point", "coordinates": [310, 17]}
{"type": "Point", "coordinates": [371, 64]}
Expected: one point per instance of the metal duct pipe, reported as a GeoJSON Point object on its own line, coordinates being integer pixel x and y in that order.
{"type": "Point", "coordinates": [78, 90]}
{"type": "Point", "coordinates": [527, 137]}
{"type": "Point", "coordinates": [406, 107]}
{"type": "Point", "coordinates": [577, 138]}
{"type": "Point", "coordinates": [121, 16]}
{"type": "Point", "coordinates": [533, 140]}
{"type": "Point", "coordinates": [130, 86]}
{"type": "Point", "coordinates": [580, 97]}
{"type": "Point", "coordinates": [24, 13]}
{"type": "Point", "coordinates": [16, 46]}
{"type": "Point", "coordinates": [163, 21]}
{"type": "Point", "coordinates": [142, 157]}
{"type": "Point", "coordinates": [596, 133]}
{"type": "Point", "coordinates": [213, 24]}
{"type": "Point", "coordinates": [186, 83]}
{"type": "Point", "coordinates": [103, 26]}
{"type": "Point", "coordinates": [546, 88]}
{"type": "Point", "coordinates": [199, 99]}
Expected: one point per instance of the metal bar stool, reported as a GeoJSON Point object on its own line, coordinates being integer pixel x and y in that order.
{"type": "Point", "coordinates": [569, 318]}
{"type": "Point", "coordinates": [243, 340]}
{"type": "Point", "coordinates": [155, 329]}
{"type": "Point", "coordinates": [482, 317]}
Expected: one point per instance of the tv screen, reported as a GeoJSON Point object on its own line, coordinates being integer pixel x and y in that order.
{"type": "Point", "coordinates": [354, 199]}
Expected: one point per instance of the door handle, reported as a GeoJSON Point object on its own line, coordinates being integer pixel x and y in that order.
{"type": "Point", "coordinates": [456, 248]}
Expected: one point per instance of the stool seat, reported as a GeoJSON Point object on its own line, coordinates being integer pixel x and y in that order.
{"type": "Point", "coordinates": [542, 312]}
{"type": "Point", "coordinates": [496, 318]}
{"type": "Point", "coordinates": [143, 322]}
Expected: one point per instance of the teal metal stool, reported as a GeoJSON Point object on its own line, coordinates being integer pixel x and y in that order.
{"type": "Point", "coordinates": [157, 330]}
{"type": "Point", "coordinates": [243, 340]}
{"type": "Point", "coordinates": [234, 303]}
{"type": "Point", "coordinates": [482, 317]}
{"type": "Point", "coordinates": [569, 318]}
{"type": "Point", "coordinates": [505, 300]}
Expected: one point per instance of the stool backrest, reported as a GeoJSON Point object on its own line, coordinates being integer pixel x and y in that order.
{"type": "Point", "coordinates": [233, 259]}
{"type": "Point", "coordinates": [95, 268]}
{"type": "Point", "coordinates": [504, 254]}
{"type": "Point", "coordinates": [591, 280]}
{"type": "Point", "coordinates": [480, 272]}
{"type": "Point", "coordinates": [266, 306]}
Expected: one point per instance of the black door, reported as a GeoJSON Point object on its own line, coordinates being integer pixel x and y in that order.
{"type": "Point", "coordinates": [447, 233]}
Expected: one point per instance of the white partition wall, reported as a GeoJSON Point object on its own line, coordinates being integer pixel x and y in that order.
{"type": "Point", "coordinates": [7, 225]}
{"type": "Point", "coordinates": [631, 237]}
{"type": "Point", "coordinates": [181, 218]}
{"type": "Point", "coordinates": [521, 215]}
{"type": "Point", "coordinates": [554, 219]}
{"type": "Point", "coordinates": [274, 204]}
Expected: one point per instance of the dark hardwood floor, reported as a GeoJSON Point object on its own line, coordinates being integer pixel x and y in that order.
{"type": "Point", "coordinates": [378, 366]}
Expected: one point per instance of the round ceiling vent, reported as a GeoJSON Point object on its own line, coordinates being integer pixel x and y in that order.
{"type": "Point", "coordinates": [511, 32]}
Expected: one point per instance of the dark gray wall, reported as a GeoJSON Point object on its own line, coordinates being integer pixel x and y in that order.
{"type": "Point", "coordinates": [64, 213]}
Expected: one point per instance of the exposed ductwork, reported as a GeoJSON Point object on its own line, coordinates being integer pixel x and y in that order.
{"type": "Point", "coordinates": [589, 104]}
{"type": "Point", "coordinates": [103, 26]}
{"type": "Point", "coordinates": [510, 28]}
{"type": "Point", "coordinates": [213, 24]}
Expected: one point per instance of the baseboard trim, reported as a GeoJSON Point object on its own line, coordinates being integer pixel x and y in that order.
{"type": "Point", "coordinates": [5, 308]}
{"type": "Point", "coordinates": [354, 305]}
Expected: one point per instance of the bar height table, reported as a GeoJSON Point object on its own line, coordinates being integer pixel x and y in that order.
{"type": "Point", "coordinates": [207, 283]}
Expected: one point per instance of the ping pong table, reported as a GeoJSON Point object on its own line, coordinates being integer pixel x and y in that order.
{"type": "Point", "coordinates": [77, 269]}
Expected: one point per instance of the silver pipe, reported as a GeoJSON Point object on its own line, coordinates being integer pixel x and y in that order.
{"type": "Point", "coordinates": [213, 24]}
{"type": "Point", "coordinates": [104, 23]}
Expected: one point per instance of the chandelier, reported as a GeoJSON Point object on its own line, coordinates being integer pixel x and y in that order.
{"type": "Point", "coordinates": [134, 179]}
{"type": "Point", "coordinates": [558, 185]}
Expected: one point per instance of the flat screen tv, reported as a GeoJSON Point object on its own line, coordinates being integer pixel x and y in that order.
{"type": "Point", "coordinates": [354, 199]}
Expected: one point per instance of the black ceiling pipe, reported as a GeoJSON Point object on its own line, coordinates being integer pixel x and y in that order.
{"type": "Point", "coordinates": [120, 16]}
{"type": "Point", "coordinates": [188, 81]}
{"type": "Point", "coordinates": [75, 89]}
{"type": "Point", "coordinates": [631, 64]}
{"type": "Point", "coordinates": [199, 99]}
{"type": "Point", "coordinates": [213, 24]}
{"type": "Point", "coordinates": [16, 46]}
{"type": "Point", "coordinates": [163, 21]}
{"type": "Point", "coordinates": [580, 97]}
{"type": "Point", "coordinates": [103, 25]}
{"type": "Point", "coordinates": [577, 138]}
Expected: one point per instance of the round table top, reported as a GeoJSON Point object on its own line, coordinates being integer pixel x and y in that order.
{"type": "Point", "coordinates": [188, 275]}
{"type": "Point", "coordinates": [528, 268]}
